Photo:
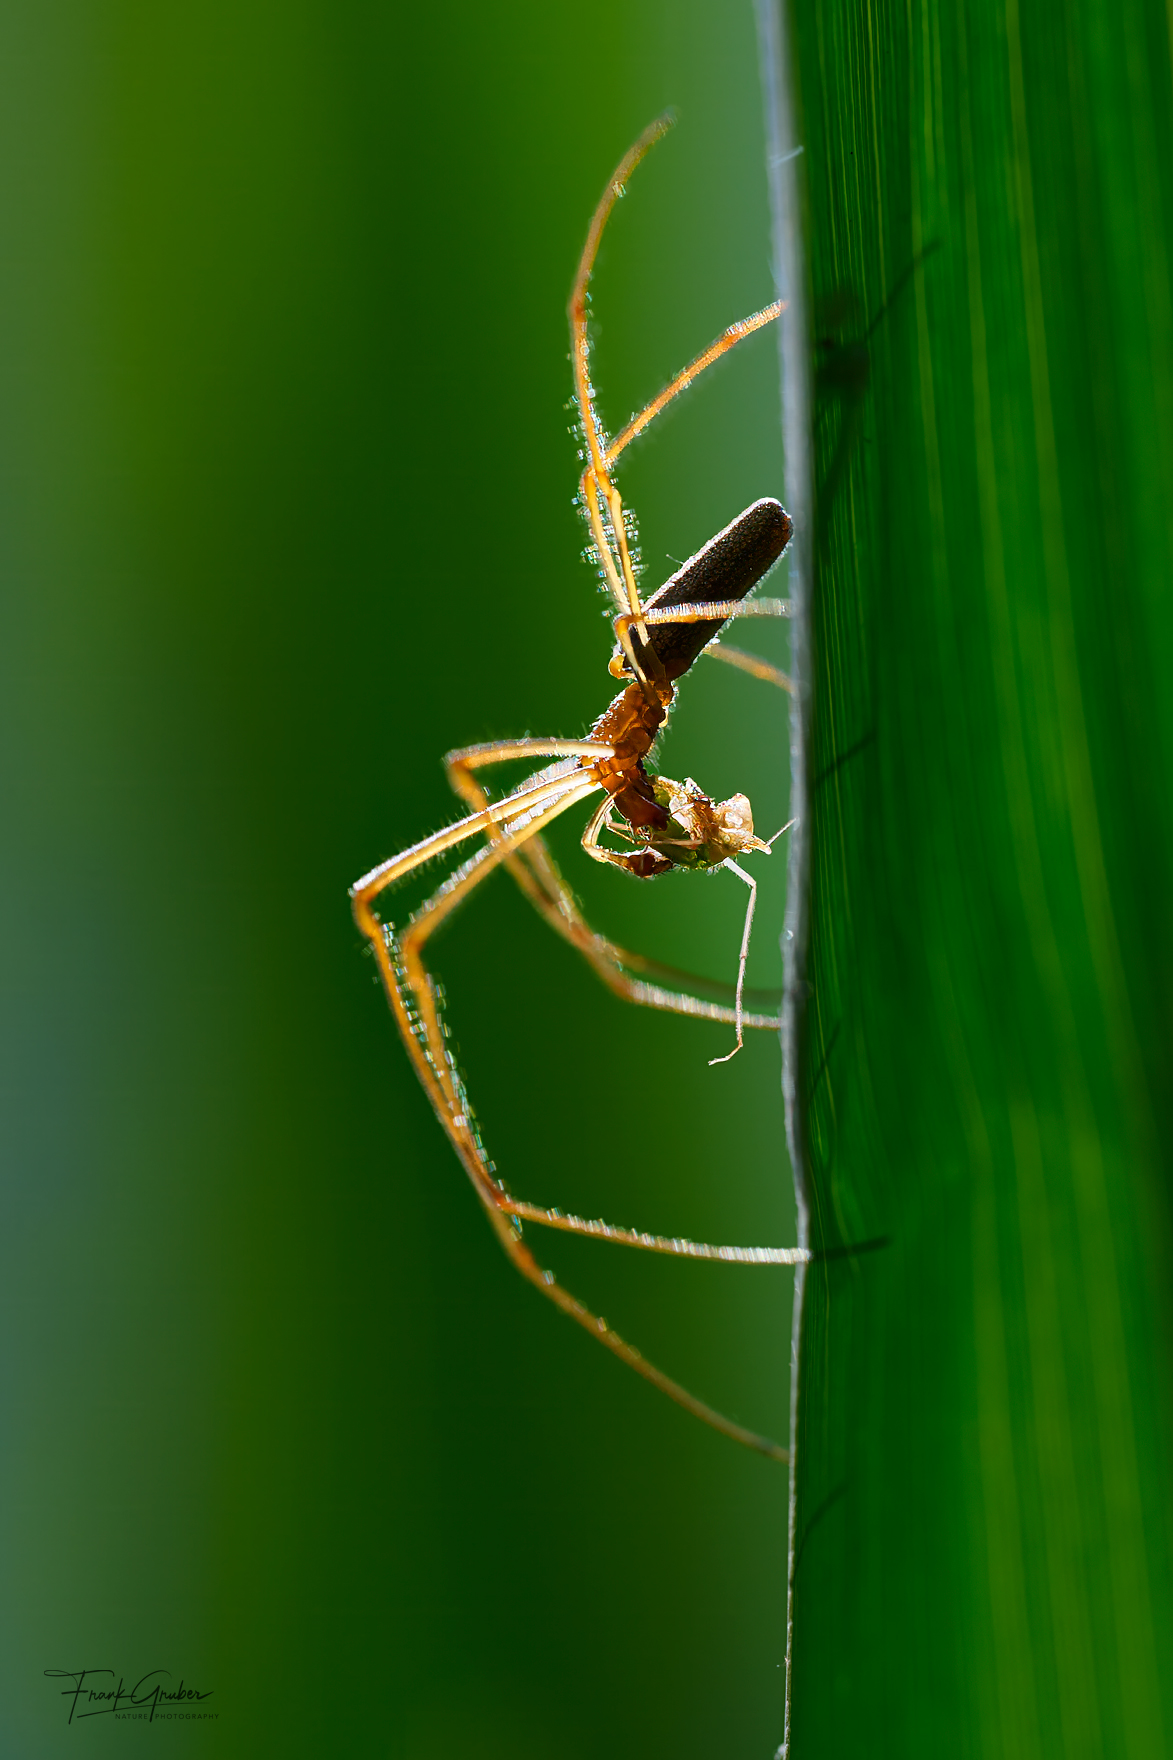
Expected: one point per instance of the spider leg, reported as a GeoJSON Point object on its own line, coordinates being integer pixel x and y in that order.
{"type": "Point", "coordinates": [596, 478]}
{"type": "Point", "coordinates": [415, 1004]}
{"type": "Point", "coordinates": [715, 611]}
{"type": "Point", "coordinates": [612, 546]}
{"type": "Point", "coordinates": [543, 788]}
{"type": "Point", "coordinates": [597, 489]}
{"type": "Point", "coordinates": [535, 871]}
{"type": "Point", "coordinates": [692, 984]}
{"type": "Point", "coordinates": [705, 611]}
{"type": "Point", "coordinates": [656, 1243]}
{"type": "Point", "coordinates": [418, 1023]}
{"type": "Point", "coordinates": [728, 339]}
{"type": "Point", "coordinates": [749, 663]}
{"type": "Point", "coordinates": [623, 972]}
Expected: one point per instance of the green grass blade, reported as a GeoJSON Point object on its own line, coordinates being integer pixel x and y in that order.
{"type": "Point", "coordinates": [983, 1547]}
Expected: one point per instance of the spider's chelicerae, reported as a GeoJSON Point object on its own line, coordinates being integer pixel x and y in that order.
{"type": "Point", "coordinates": [660, 824]}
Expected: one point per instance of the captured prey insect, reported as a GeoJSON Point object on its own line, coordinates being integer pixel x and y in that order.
{"type": "Point", "coordinates": [660, 824]}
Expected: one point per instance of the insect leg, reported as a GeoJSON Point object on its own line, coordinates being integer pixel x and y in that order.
{"type": "Point", "coordinates": [744, 955]}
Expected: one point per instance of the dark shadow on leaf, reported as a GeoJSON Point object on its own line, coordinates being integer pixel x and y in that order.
{"type": "Point", "coordinates": [828, 1503]}
{"type": "Point", "coordinates": [843, 758]}
{"type": "Point", "coordinates": [852, 1248]}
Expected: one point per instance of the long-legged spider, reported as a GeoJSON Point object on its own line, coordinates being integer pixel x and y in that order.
{"type": "Point", "coordinates": [665, 824]}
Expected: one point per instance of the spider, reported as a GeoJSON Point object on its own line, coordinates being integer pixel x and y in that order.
{"type": "Point", "coordinates": [662, 824]}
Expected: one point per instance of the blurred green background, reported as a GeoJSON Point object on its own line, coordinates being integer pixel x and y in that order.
{"type": "Point", "coordinates": [287, 481]}
{"type": "Point", "coordinates": [985, 1547]}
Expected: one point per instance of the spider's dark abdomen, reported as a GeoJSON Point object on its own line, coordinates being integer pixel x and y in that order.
{"type": "Point", "coordinates": [729, 567]}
